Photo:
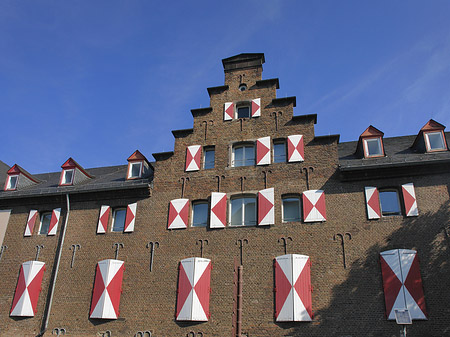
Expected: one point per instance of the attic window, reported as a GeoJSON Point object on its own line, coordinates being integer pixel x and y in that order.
{"type": "Point", "coordinates": [242, 87]}
{"type": "Point", "coordinates": [243, 111]}
{"type": "Point", "coordinates": [12, 182]}
{"type": "Point", "coordinates": [435, 141]}
{"type": "Point", "coordinates": [67, 177]}
{"type": "Point", "coordinates": [372, 147]}
{"type": "Point", "coordinates": [135, 170]}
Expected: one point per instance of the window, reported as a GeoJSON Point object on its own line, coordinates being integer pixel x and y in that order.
{"type": "Point", "coordinates": [45, 223]}
{"type": "Point", "coordinates": [372, 147]}
{"type": "Point", "coordinates": [118, 222]}
{"type": "Point", "coordinates": [242, 87]}
{"type": "Point", "coordinates": [135, 170]}
{"type": "Point", "coordinates": [243, 155]}
{"type": "Point", "coordinates": [200, 214]}
{"type": "Point", "coordinates": [390, 203]}
{"type": "Point", "coordinates": [243, 211]}
{"type": "Point", "coordinates": [12, 182]}
{"type": "Point", "coordinates": [435, 141]}
{"type": "Point", "coordinates": [291, 209]}
{"type": "Point", "coordinates": [67, 177]}
{"type": "Point", "coordinates": [243, 112]}
{"type": "Point", "coordinates": [209, 157]}
{"type": "Point", "coordinates": [279, 151]}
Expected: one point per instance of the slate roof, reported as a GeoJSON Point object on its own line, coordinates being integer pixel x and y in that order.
{"type": "Point", "coordinates": [3, 169]}
{"type": "Point", "coordinates": [104, 179]}
{"type": "Point", "coordinates": [398, 150]}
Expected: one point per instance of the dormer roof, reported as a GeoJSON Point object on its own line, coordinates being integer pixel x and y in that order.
{"type": "Point", "coordinates": [17, 178]}
{"type": "Point", "coordinates": [362, 147]}
{"type": "Point", "coordinates": [16, 169]}
{"type": "Point", "coordinates": [79, 173]}
{"type": "Point", "coordinates": [371, 131]}
{"type": "Point", "coordinates": [137, 156]}
{"type": "Point", "coordinates": [431, 126]}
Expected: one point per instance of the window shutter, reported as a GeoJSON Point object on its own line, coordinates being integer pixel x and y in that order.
{"type": "Point", "coordinates": [314, 206]}
{"type": "Point", "coordinates": [54, 221]}
{"type": "Point", "coordinates": [228, 112]}
{"type": "Point", "coordinates": [409, 197]}
{"type": "Point", "coordinates": [103, 219]}
{"type": "Point", "coordinates": [293, 288]}
{"type": "Point", "coordinates": [193, 155]}
{"type": "Point", "coordinates": [28, 289]}
{"type": "Point", "coordinates": [130, 218]}
{"type": "Point", "coordinates": [263, 151]}
{"type": "Point", "coordinates": [256, 107]}
{"type": "Point", "coordinates": [194, 279]}
{"type": "Point", "coordinates": [372, 203]}
{"type": "Point", "coordinates": [178, 213]}
{"type": "Point", "coordinates": [266, 212]}
{"type": "Point", "coordinates": [295, 148]}
{"type": "Point", "coordinates": [402, 283]}
{"type": "Point", "coordinates": [32, 216]}
{"type": "Point", "coordinates": [218, 216]}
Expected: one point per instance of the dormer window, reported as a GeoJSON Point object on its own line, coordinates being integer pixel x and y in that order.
{"type": "Point", "coordinates": [11, 184]}
{"type": "Point", "coordinates": [372, 147]}
{"type": "Point", "coordinates": [370, 144]}
{"type": "Point", "coordinates": [435, 141]}
{"type": "Point", "coordinates": [67, 177]}
{"type": "Point", "coordinates": [72, 173]}
{"type": "Point", "coordinates": [138, 166]}
{"type": "Point", "coordinates": [135, 170]}
{"type": "Point", "coordinates": [18, 179]}
{"type": "Point", "coordinates": [431, 138]}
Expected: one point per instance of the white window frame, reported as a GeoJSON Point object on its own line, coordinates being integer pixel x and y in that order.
{"type": "Point", "coordinates": [244, 104]}
{"type": "Point", "coordinates": [130, 170]}
{"type": "Point", "coordinates": [297, 197]}
{"type": "Point", "coordinates": [195, 203]}
{"type": "Point", "coordinates": [115, 210]}
{"type": "Point", "coordinates": [385, 214]}
{"type": "Point", "coordinates": [242, 224]}
{"type": "Point", "coordinates": [41, 217]}
{"type": "Point", "coordinates": [366, 147]}
{"type": "Point", "coordinates": [240, 145]}
{"type": "Point", "coordinates": [209, 149]}
{"type": "Point", "coordinates": [428, 143]}
{"type": "Point", "coordinates": [63, 178]}
{"type": "Point", "coordinates": [9, 187]}
{"type": "Point", "coordinates": [278, 142]}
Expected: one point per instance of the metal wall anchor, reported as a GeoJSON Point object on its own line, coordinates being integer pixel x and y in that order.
{"type": "Point", "coordinates": [201, 245]}
{"type": "Point", "coordinates": [266, 178]}
{"type": "Point", "coordinates": [74, 248]}
{"type": "Point", "coordinates": [240, 242]}
{"type": "Point", "coordinates": [152, 244]}
{"type": "Point", "coordinates": [284, 239]}
{"type": "Point", "coordinates": [306, 171]}
{"type": "Point", "coordinates": [242, 179]}
{"type": "Point", "coordinates": [107, 333]}
{"type": "Point", "coordinates": [59, 331]}
{"type": "Point", "coordinates": [2, 249]}
{"type": "Point", "coordinates": [342, 237]}
{"type": "Point", "coordinates": [118, 245]}
{"type": "Point", "coordinates": [276, 114]}
{"type": "Point", "coordinates": [219, 178]}
{"type": "Point", "coordinates": [143, 333]}
{"type": "Point", "coordinates": [211, 122]}
{"type": "Point", "coordinates": [183, 180]}
{"type": "Point", "coordinates": [38, 250]}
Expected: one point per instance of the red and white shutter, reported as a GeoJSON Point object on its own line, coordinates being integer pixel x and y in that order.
{"type": "Point", "coordinates": [32, 217]}
{"type": "Point", "coordinates": [293, 288]}
{"type": "Point", "coordinates": [228, 112]}
{"type": "Point", "coordinates": [266, 212]}
{"type": "Point", "coordinates": [372, 203]}
{"type": "Point", "coordinates": [28, 289]}
{"type": "Point", "coordinates": [402, 283]}
{"type": "Point", "coordinates": [130, 218]}
{"type": "Point", "coordinates": [193, 289]}
{"type": "Point", "coordinates": [107, 289]}
{"type": "Point", "coordinates": [103, 219]}
{"type": "Point", "coordinates": [54, 221]}
{"type": "Point", "coordinates": [263, 151]}
{"type": "Point", "coordinates": [256, 107]}
{"type": "Point", "coordinates": [314, 206]}
{"type": "Point", "coordinates": [295, 148]}
{"type": "Point", "coordinates": [218, 216]}
{"type": "Point", "coordinates": [409, 197]}
{"type": "Point", "coordinates": [178, 213]}
{"type": "Point", "coordinates": [193, 155]}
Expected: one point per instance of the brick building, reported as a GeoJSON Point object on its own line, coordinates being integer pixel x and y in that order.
{"type": "Point", "coordinates": [251, 226]}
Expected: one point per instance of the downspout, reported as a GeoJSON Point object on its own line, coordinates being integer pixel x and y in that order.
{"type": "Point", "coordinates": [55, 273]}
{"type": "Point", "coordinates": [239, 302]}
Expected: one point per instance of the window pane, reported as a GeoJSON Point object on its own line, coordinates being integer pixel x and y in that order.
{"type": "Point", "coordinates": [436, 141]}
{"type": "Point", "coordinates": [389, 203]}
{"type": "Point", "coordinates": [209, 159]}
{"type": "Point", "coordinates": [68, 176]}
{"type": "Point", "coordinates": [279, 152]}
{"type": "Point", "coordinates": [200, 215]}
{"type": "Point", "coordinates": [135, 170]}
{"type": "Point", "coordinates": [12, 182]}
{"type": "Point", "coordinates": [119, 220]}
{"type": "Point", "coordinates": [239, 156]}
{"type": "Point", "coordinates": [236, 212]}
{"type": "Point", "coordinates": [374, 147]}
{"type": "Point", "coordinates": [244, 112]}
{"type": "Point", "coordinates": [249, 211]}
{"type": "Point", "coordinates": [291, 209]}
{"type": "Point", "coordinates": [45, 223]}
{"type": "Point", "coordinates": [249, 155]}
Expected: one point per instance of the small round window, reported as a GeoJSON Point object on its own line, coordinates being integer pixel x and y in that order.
{"type": "Point", "coordinates": [243, 87]}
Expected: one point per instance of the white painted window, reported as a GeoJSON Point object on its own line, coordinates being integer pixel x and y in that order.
{"type": "Point", "coordinates": [200, 214]}
{"type": "Point", "coordinates": [135, 170]}
{"type": "Point", "coordinates": [243, 211]}
{"type": "Point", "coordinates": [243, 155]}
{"type": "Point", "coordinates": [372, 147]}
{"type": "Point", "coordinates": [118, 222]}
{"type": "Point", "coordinates": [12, 182]}
{"type": "Point", "coordinates": [46, 217]}
{"type": "Point", "coordinates": [291, 209]}
{"type": "Point", "coordinates": [208, 158]}
{"type": "Point", "coordinates": [435, 141]}
{"type": "Point", "coordinates": [67, 178]}
{"type": "Point", "coordinates": [279, 151]}
{"type": "Point", "coordinates": [389, 202]}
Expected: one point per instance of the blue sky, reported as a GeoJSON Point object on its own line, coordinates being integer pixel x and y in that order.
{"type": "Point", "coordinates": [96, 80]}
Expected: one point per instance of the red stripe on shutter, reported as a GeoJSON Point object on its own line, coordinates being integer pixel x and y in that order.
{"type": "Point", "coordinates": [263, 151]}
{"type": "Point", "coordinates": [202, 289]}
{"type": "Point", "coordinates": [32, 216]}
{"type": "Point", "coordinates": [391, 285]}
{"type": "Point", "coordinates": [184, 289]}
{"type": "Point", "coordinates": [34, 288]}
{"type": "Point", "coordinates": [283, 289]}
{"type": "Point", "coordinates": [295, 148]}
{"type": "Point", "coordinates": [372, 202]}
{"type": "Point", "coordinates": [409, 197]}
{"type": "Point", "coordinates": [103, 219]}
{"type": "Point", "coordinates": [114, 289]}
{"type": "Point", "coordinates": [130, 218]}
{"type": "Point", "coordinates": [256, 107]}
{"type": "Point", "coordinates": [266, 207]}
{"type": "Point", "coordinates": [303, 287]}
{"type": "Point", "coordinates": [99, 288]}
{"type": "Point", "coordinates": [413, 283]}
{"type": "Point", "coordinates": [218, 218]}
{"type": "Point", "coordinates": [178, 213]}
{"type": "Point", "coordinates": [228, 111]}
{"type": "Point", "coordinates": [54, 221]}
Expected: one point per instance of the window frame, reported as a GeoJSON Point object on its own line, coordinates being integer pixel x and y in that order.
{"type": "Point", "coordinates": [8, 186]}
{"type": "Point", "coordinates": [130, 170]}
{"type": "Point", "coordinates": [298, 199]}
{"type": "Point", "coordinates": [428, 143]}
{"type": "Point", "coordinates": [366, 147]}
{"type": "Point", "coordinates": [209, 149]}
{"type": "Point", "coordinates": [279, 142]}
{"type": "Point", "coordinates": [42, 215]}
{"type": "Point", "coordinates": [194, 204]}
{"type": "Point", "coordinates": [242, 145]}
{"type": "Point", "coordinates": [399, 203]}
{"type": "Point", "coordinates": [243, 104]}
{"type": "Point", "coordinates": [63, 177]}
{"type": "Point", "coordinates": [113, 219]}
{"type": "Point", "coordinates": [243, 215]}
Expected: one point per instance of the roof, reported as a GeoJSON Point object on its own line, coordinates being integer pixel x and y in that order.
{"type": "Point", "coordinates": [243, 61]}
{"type": "Point", "coordinates": [3, 169]}
{"type": "Point", "coordinates": [104, 179]}
{"type": "Point", "coordinates": [398, 150]}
